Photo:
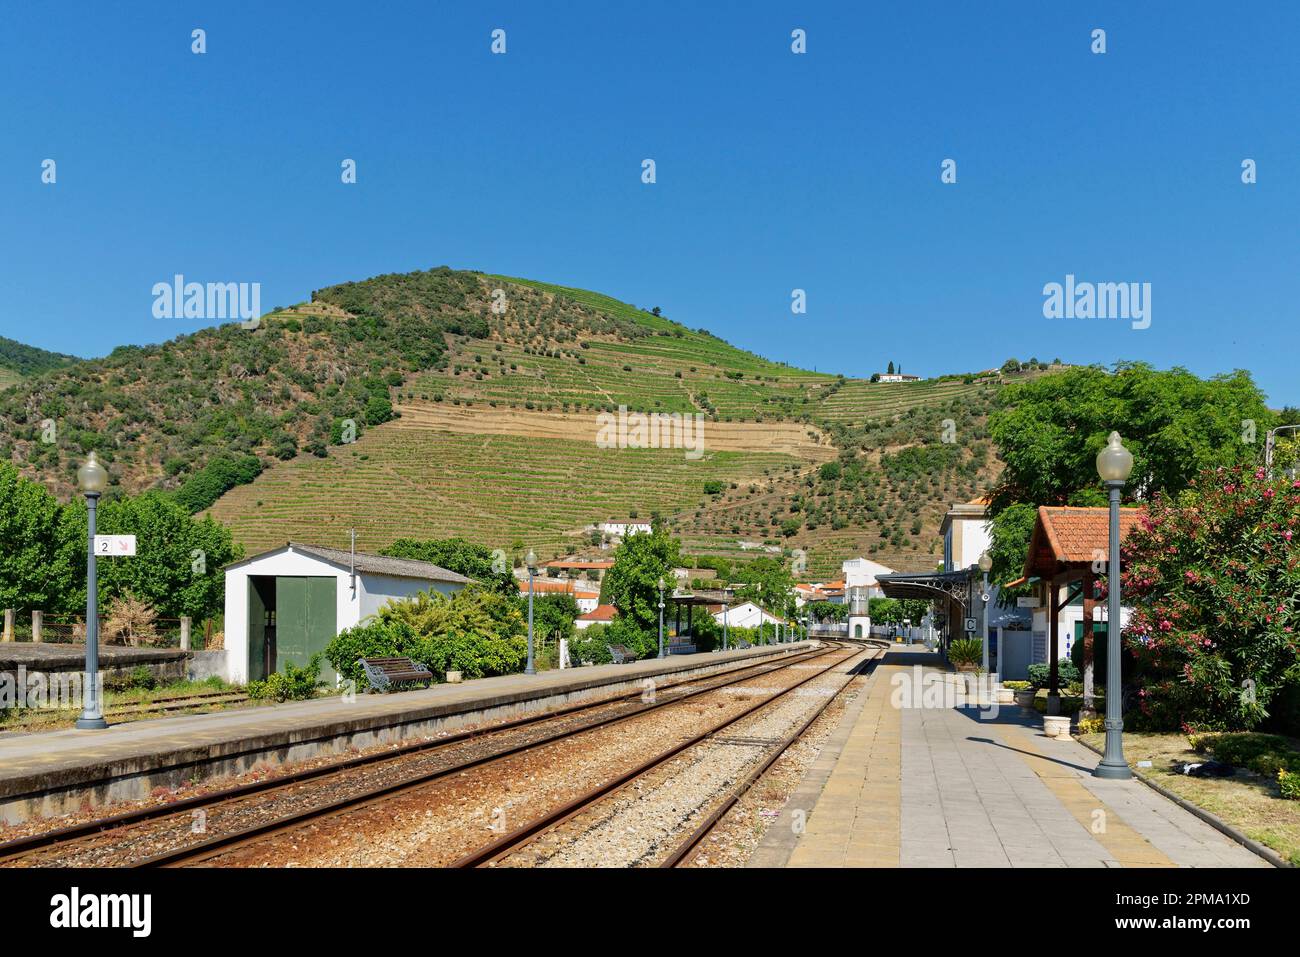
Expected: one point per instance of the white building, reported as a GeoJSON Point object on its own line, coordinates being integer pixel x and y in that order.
{"type": "Point", "coordinates": [747, 615]}
{"type": "Point", "coordinates": [967, 534]}
{"type": "Point", "coordinates": [621, 529]}
{"type": "Point", "coordinates": [586, 596]}
{"type": "Point", "coordinates": [287, 604]}
{"type": "Point", "coordinates": [861, 573]}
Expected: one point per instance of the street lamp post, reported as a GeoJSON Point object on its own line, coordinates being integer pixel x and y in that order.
{"type": "Point", "coordinates": [1114, 464]}
{"type": "Point", "coordinates": [92, 480]}
{"type": "Point", "coordinates": [662, 654]}
{"type": "Point", "coordinates": [531, 561]}
{"type": "Point", "coordinates": [986, 564]}
{"type": "Point", "coordinates": [726, 606]}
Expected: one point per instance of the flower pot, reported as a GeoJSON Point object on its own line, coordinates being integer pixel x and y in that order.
{"type": "Point", "coordinates": [1026, 698]}
{"type": "Point", "coordinates": [1057, 726]}
{"type": "Point", "coordinates": [453, 677]}
{"type": "Point", "coordinates": [968, 667]}
{"type": "Point", "coordinates": [1005, 695]}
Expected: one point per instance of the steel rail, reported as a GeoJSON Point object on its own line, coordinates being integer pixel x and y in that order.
{"type": "Point", "coordinates": [684, 848]}
{"type": "Point", "coordinates": [224, 843]}
{"type": "Point", "coordinates": [25, 846]}
{"type": "Point", "coordinates": [510, 843]}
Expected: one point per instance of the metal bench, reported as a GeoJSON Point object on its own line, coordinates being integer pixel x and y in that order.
{"type": "Point", "coordinates": [621, 654]}
{"type": "Point", "coordinates": [384, 674]}
{"type": "Point", "coordinates": [743, 644]}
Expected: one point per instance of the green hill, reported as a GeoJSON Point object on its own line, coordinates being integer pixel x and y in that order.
{"type": "Point", "coordinates": [474, 401]}
{"type": "Point", "coordinates": [18, 361]}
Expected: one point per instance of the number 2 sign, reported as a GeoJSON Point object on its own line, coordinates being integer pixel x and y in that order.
{"type": "Point", "coordinates": [114, 546]}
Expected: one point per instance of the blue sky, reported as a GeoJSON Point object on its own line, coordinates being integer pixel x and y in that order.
{"type": "Point", "coordinates": [775, 171]}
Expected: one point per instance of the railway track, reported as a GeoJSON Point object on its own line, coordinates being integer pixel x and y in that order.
{"type": "Point", "coordinates": [169, 835]}
{"type": "Point", "coordinates": [508, 846]}
{"type": "Point", "coordinates": [176, 703]}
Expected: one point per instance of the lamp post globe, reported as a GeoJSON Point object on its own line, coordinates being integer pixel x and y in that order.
{"type": "Point", "coordinates": [1114, 462]}
{"type": "Point", "coordinates": [92, 479]}
{"type": "Point", "coordinates": [1114, 465]}
{"type": "Point", "coordinates": [531, 561]}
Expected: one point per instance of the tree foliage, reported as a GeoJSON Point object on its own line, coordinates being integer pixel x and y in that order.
{"type": "Point", "coordinates": [632, 584]}
{"type": "Point", "coordinates": [39, 559]}
{"type": "Point", "coordinates": [768, 583]}
{"type": "Point", "coordinates": [177, 568]}
{"type": "Point", "coordinates": [461, 556]}
{"type": "Point", "coordinates": [1049, 430]}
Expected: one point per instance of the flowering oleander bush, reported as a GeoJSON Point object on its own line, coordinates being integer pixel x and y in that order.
{"type": "Point", "coordinates": [1214, 578]}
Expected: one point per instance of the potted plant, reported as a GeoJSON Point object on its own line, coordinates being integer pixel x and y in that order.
{"type": "Point", "coordinates": [1024, 692]}
{"type": "Point", "coordinates": [966, 654]}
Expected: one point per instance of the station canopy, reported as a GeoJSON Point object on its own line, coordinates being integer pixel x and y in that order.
{"type": "Point", "coordinates": [928, 586]}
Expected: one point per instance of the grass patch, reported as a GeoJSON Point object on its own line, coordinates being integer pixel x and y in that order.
{"type": "Point", "coordinates": [1249, 802]}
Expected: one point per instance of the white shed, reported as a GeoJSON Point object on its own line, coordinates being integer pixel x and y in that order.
{"type": "Point", "coordinates": [289, 603]}
{"type": "Point", "coordinates": [746, 615]}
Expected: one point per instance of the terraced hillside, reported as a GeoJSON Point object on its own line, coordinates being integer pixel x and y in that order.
{"type": "Point", "coordinates": [441, 477]}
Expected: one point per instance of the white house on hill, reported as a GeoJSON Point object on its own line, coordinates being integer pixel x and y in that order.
{"type": "Point", "coordinates": [287, 604]}
{"type": "Point", "coordinates": [622, 529]}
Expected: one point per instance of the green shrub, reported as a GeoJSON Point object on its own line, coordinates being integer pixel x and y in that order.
{"type": "Point", "coordinates": [1289, 784]}
{"type": "Point", "coordinates": [1091, 725]}
{"type": "Point", "coordinates": [141, 679]}
{"type": "Point", "coordinates": [590, 645]}
{"type": "Point", "coordinates": [374, 639]}
{"type": "Point", "coordinates": [294, 684]}
{"type": "Point", "coordinates": [1273, 763]}
{"type": "Point", "coordinates": [1265, 754]}
{"type": "Point", "coordinates": [1017, 685]}
{"type": "Point", "coordinates": [1040, 674]}
{"type": "Point", "coordinates": [473, 654]}
{"type": "Point", "coordinates": [623, 631]}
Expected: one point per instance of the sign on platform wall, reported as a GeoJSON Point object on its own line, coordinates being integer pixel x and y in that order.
{"type": "Point", "coordinates": [1027, 601]}
{"type": "Point", "coordinates": [114, 546]}
{"type": "Point", "coordinates": [971, 624]}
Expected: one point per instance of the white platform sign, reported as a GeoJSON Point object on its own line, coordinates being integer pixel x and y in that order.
{"type": "Point", "coordinates": [114, 546]}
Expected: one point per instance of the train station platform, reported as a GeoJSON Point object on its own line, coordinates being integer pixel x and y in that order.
{"type": "Point", "coordinates": [49, 773]}
{"type": "Point", "coordinates": [917, 781]}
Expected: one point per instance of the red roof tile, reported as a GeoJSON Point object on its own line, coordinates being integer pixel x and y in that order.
{"type": "Point", "coordinates": [552, 586]}
{"type": "Point", "coordinates": [600, 613]}
{"type": "Point", "coordinates": [1073, 536]}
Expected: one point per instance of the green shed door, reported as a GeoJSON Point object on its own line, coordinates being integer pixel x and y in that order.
{"type": "Point", "coordinates": [256, 632]}
{"type": "Point", "coordinates": [305, 620]}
